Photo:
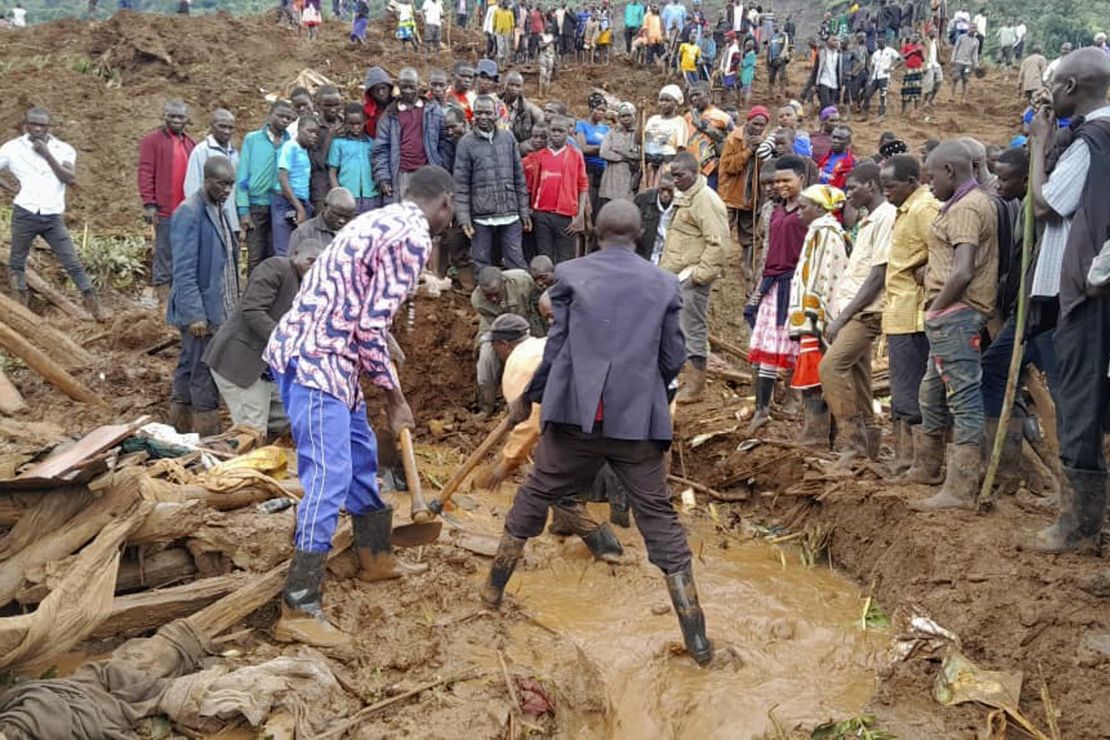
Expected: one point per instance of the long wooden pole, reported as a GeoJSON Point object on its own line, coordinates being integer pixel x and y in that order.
{"type": "Point", "coordinates": [985, 493]}
{"type": "Point", "coordinates": [53, 373]}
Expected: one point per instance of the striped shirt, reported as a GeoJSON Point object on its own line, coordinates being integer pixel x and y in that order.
{"type": "Point", "coordinates": [337, 327]}
{"type": "Point", "coordinates": [1063, 192]}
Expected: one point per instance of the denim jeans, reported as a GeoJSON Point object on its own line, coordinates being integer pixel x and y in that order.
{"type": "Point", "coordinates": [52, 228]}
{"type": "Point", "coordinates": [950, 389]}
{"type": "Point", "coordinates": [996, 365]}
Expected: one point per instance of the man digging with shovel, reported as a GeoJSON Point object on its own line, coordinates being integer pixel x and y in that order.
{"type": "Point", "coordinates": [335, 332]}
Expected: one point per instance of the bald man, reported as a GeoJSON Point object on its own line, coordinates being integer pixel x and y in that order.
{"type": "Point", "coordinates": [205, 292]}
{"type": "Point", "coordinates": [605, 401]}
{"type": "Point", "coordinates": [960, 286]}
{"type": "Point", "coordinates": [221, 129]}
{"type": "Point", "coordinates": [339, 208]}
{"type": "Point", "coordinates": [1072, 202]}
{"type": "Point", "coordinates": [163, 162]}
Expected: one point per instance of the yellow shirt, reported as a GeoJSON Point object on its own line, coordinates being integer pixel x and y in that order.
{"type": "Point", "coordinates": [519, 368]}
{"type": "Point", "coordinates": [909, 250]}
{"type": "Point", "coordinates": [688, 57]}
{"type": "Point", "coordinates": [503, 21]}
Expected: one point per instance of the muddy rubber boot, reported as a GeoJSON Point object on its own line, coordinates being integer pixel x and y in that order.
{"type": "Point", "coordinates": [373, 531]}
{"type": "Point", "coordinates": [874, 440]}
{"type": "Point", "coordinates": [961, 482]}
{"type": "Point", "coordinates": [18, 283]}
{"type": "Point", "coordinates": [927, 451]}
{"type": "Point", "coordinates": [684, 597]}
{"type": "Point", "coordinates": [618, 514]}
{"type": "Point", "coordinates": [764, 391]}
{"type": "Point", "coordinates": [694, 387]}
{"type": "Point", "coordinates": [816, 421]}
{"type": "Point", "coordinates": [180, 417]}
{"type": "Point", "coordinates": [1078, 526]}
{"type": "Point", "coordinates": [92, 305]}
{"type": "Point", "coordinates": [903, 447]}
{"type": "Point", "coordinates": [487, 401]}
{"type": "Point", "coordinates": [302, 614]}
{"type": "Point", "coordinates": [604, 545]}
{"type": "Point", "coordinates": [207, 423]}
{"type": "Point", "coordinates": [509, 551]}
{"type": "Point", "coordinates": [1009, 475]}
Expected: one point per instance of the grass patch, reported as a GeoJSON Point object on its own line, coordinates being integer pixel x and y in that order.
{"type": "Point", "coordinates": [862, 727]}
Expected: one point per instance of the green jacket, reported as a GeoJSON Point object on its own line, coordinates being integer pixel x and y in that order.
{"type": "Point", "coordinates": [520, 298]}
{"type": "Point", "coordinates": [256, 178]}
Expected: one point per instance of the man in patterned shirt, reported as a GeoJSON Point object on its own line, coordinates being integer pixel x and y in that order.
{"type": "Point", "coordinates": [334, 333]}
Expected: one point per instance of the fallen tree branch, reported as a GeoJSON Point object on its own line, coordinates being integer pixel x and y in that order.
{"type": "Point", "coordinates": [53, 373]}
{"type": "Point", "coordinates": [718, 343]}
{"type": "Point", "coordinates": [701, 488]}
{"type": "Point", "coordinates": [57, 344]}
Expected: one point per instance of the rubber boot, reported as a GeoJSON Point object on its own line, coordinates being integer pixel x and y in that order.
{"type": "Point", "coordinates": [207, 423]}
{"type": "Point", "coordinates": [874, 440]}
{"type": "Point", "coordinates": [903, 447]}
{"type": "Point", "coordinates": [180, 417]}
{"type": "Point", "coordinates": [92, 305]}
{"type": "Point", "coordinates": [18, 283]}
{"type": "Point", "coordinates": [927, 450]}
{"type": "Point", "coordinates": [961, 483]}
{"type": "Point", "coordinates": [618, 513]}
{"type": "Point", "coordinates": [764, 390]}
{"type": "Point", "coordinates": [604, 545]}
{"type": "Point", "coordinates": [684, 597]}
{"type": "Point", "coordinates": [817, 422]}
{"type": "Point", "coordinates": [855, 438]}
{"type": "Point", "coordinates": [509, 552]}
{"type": "Point", "coordinates": [373, 531]}
{"type": "Point", "coordinates": [1078, 526]}
{"type": "Point", "coordinates": [487, 401]}
{"type": "Point", "coordinates": [302, 614]}
{"type": "Point", "coordinates": [1008, 476]}
{"type": "Point", "coordinates": [694, 387]}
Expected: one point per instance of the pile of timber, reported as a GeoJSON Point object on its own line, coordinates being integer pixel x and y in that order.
{"type": "Point", "coordinates": [129, 551]}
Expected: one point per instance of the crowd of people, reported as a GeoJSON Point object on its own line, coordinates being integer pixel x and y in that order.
{"type": "Point", "coordinates": [590, 248]}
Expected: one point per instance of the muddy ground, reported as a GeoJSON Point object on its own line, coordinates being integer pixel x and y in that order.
{"type": "Point", "coordinates": [1044, 616]}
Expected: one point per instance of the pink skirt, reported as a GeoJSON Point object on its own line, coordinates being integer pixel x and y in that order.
{"type": "Point", "coordinates": [770, 344]}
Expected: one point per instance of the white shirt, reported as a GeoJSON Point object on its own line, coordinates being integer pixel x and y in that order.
{"type": "Point", "coordinates": [1020, 30]}
{"type": "Point", "coordinates": [433, 12]}
{"type": "Point", "coordinates": [40, 190]}
{"type": "Point", "coordinates": [980, 23]}
{"type": "Point", "coordinates": [932, 62]}
{"type": "Point", "coordinates": [881, 62]}
{"type": "Point", "coordinates": [19, 17]}
{"type": "Point", "coordinates": [830, 68]}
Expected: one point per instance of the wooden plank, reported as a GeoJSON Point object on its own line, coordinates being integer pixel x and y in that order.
{"type": "Point", "coordinates": [157, 569]}
{"type": "Point", "coordinates": [147, 610]}
{"type": "Point", "coordinates": [61, 348]}
{"type": "Point", "coordinates": [97, 441]}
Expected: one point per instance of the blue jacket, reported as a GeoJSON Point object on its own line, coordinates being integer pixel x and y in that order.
{"type": "Point", "coordinates": [199, 258]}
{"type": "Point", "coordinates": [386, 155]}
{"type": "Point", "coordinates": [616, 340]}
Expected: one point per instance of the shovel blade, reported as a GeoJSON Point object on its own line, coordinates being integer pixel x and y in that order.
{"type": "Point", "coordinates": [414, 535]}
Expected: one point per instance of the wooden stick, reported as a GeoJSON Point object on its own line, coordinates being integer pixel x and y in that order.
{"type": "Point", "coordinates": [515, 708]}
{"type": "Point", "coordinates": [986, 492]}
{"type": "Point", "coordinates": [700, 488]}
{"type": "Point", "coordinates": [492, 440]}
{"type": "Point", "coordinates": [61, 348]}
{"type": "Point", "coordinates": [732, 349]}
{"type": "Point", "coordinates": [54, 374]}
{"type": "Point", "coordinates": [365, 712]}
{"type": "Point", "coordinates": [146, 610]}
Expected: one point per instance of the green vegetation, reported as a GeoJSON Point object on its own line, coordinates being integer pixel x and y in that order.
{"type": "Point", "coordinates": [862, 727]}
{"type": "Point", "coordinates": [114, 261]}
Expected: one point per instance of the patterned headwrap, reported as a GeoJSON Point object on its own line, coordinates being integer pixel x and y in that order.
{"type": "Point", "coordinates": [891, 148]}
{"type": "Point", "coordinates": [672, 92]}
{"type": "Point", "coordinates": [826, 196]}
{"type": "Point", "coordinates": [626, 107]}
{"type": "Point", "coordinates": [595, 100]}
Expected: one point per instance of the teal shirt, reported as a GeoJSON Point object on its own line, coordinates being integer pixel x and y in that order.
{"type": "Point", "coordinates": [351, 160]}
{"type": "Point", "coordinates": [634, 15]}
{"type": "Point", "coordinates": [293, 158]}
{"type": "Point", "coordinates": [257, 174]}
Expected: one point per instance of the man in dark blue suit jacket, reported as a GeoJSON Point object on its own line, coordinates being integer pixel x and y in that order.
{"type": "Point", "coordinates": [205, 292]}
{"type": "Point", "coordinates": [614, 347]}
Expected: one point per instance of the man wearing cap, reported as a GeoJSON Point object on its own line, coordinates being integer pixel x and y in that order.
{"type": "Point", "coordinates": [821, 140]}
{"type": "Point", "coordinates": [487, 82]}
{"type": "Point", "coordinates": [521, 355]}
{"type": "Point", "coordinates": [605, 401]}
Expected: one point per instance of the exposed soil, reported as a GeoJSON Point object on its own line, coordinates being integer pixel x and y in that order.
{"type": "Point", "coordinates": [1013, 610]}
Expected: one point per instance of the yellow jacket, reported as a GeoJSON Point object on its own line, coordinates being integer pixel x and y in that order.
{"type": "Point", "coordinates": [698, 234]}
{"type": "Point", "coordinates": [503, 21]}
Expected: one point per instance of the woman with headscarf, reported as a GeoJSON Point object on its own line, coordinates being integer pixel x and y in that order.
{"type": "Point", "coordinates": [590, 133]}
{"type": "Point", "coordinates": [823, 259]}
{"type": "Point", "coordinates": [621, 152]}
{"type": "Point", "coordinates": [664, 134]}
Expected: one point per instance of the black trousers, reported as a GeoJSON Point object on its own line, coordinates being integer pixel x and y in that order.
{"type": "Point", "coordinates": [1083, 392]}
{"type": "Point", "coordinates": [909, 357]}
{"type": "Point", "coordinates": [260, 239]}
{"type": "Point", "coordinates": [192, 380]}
{"type": "Point", "coordinates": [567, 460]}
{"type": "Point", "coordinates": [552, 239]}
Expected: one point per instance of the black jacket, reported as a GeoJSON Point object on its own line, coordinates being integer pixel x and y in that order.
{"type": "Point", "coordinates": [489, 177]}
{"type": "Point", "coordinates": [236, 350]}
{"type": "Point", "coordinates": [647, 202]}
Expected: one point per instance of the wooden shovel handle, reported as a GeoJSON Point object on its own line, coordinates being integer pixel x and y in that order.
{"type": "Point", "coordinates": [492, 440]}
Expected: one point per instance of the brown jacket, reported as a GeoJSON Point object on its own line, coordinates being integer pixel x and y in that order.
{"type": "Point", "coordinates": [698, 235]}
{"type": "Point", "coordinates": [738, 172]}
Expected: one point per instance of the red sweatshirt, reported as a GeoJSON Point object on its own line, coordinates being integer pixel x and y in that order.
{"type": "Point", "coordinates": [560, 179]}
{"type": "Point", "coordinates": [157, 182]}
